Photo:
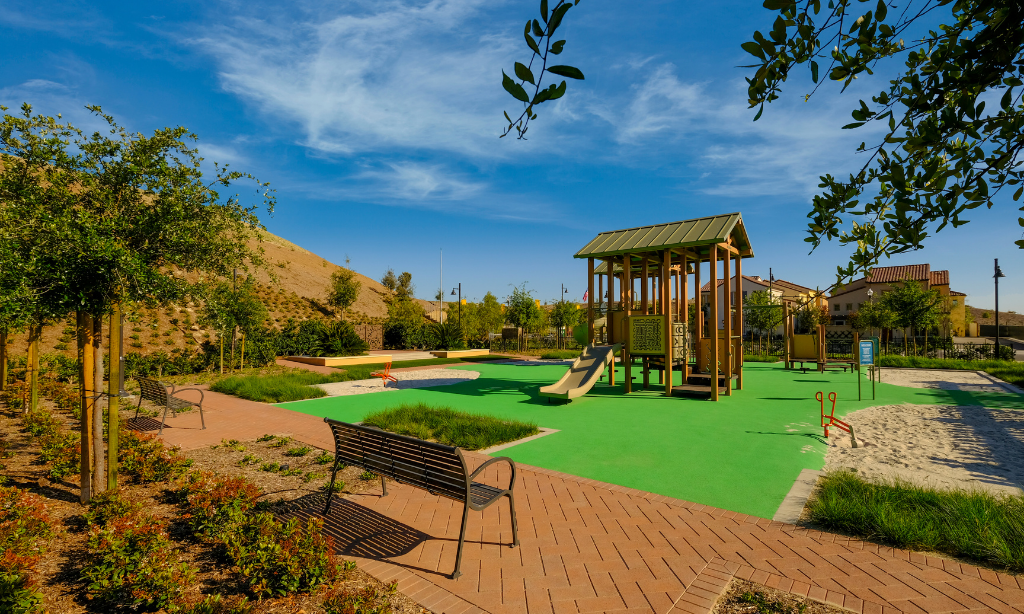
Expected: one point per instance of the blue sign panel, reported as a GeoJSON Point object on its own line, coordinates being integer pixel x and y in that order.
{"type": "Point", "coordinates": [867, 353]}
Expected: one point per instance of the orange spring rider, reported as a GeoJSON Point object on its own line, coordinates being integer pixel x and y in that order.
{"type": "Point", "coordinates": [831, 420]}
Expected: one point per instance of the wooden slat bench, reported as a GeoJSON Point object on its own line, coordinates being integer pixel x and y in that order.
{"type": "Point", "coordinates": [157, 392]}
{"type": "Point", "coordinates": [436, 468]}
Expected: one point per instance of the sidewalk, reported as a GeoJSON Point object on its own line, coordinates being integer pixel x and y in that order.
{"type": "Point", "coordinates": [588, 546]}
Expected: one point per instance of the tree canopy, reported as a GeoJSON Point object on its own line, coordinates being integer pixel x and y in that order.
{"type": "Point", "coordinates": [343, 291]}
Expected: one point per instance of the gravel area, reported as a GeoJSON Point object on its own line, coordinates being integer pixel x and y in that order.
{"type": "Point", "coordinates": [971, 381]}
{"type": "Point", "coordinates": [425, 378]}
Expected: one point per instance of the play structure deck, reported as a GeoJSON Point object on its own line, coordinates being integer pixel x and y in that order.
{"type": "Point", "coordinates": [584, 373]}
{"type": "Point", "coordinates": [645, 306]}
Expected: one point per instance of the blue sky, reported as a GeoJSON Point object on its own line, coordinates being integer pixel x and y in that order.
{"type": "Point", "coordinates": [377, 123]}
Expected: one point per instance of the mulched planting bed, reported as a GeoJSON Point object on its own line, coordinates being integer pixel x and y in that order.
{"type": "Point", "coordinates": [745, 597]}
{"type": "Point", "coordinates": [58, 572]}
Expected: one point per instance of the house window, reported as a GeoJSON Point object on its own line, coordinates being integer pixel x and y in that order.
{"type": "Point", "coordinates": [849, 306]}
{"type": "Point", "coordinates": [744, 294]}
{"type": "Point", "coordinates": [860, 306]}
{"type": "Point", "coordinates": [954, 302]}
{"type": "Point", "coordinates": [836, 307]}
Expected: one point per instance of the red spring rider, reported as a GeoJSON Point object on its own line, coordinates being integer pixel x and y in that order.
{"type": "Point", "coordinates": [831, 420]}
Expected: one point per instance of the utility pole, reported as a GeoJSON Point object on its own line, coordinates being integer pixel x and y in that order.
{"type": "Point", "coordinates": [996, 276]}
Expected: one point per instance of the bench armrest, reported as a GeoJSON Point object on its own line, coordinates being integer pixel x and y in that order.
{"type": "Point", "coordinates": [174, 393]}
{"type": "Point", "coordinates": [511, 463]}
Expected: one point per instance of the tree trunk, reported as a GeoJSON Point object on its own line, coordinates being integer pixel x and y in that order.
{"type": "Point", "coordinates": [222, 352]}
{"type": "Point", "coordinates": [85, 384]}
{"type": "Point", "coordinates": [234, 334]}
{"type": "Point", "coordinates": [99, 469]}
{"type": "Point", "coordinates": [3, 360]}
{"type": "Point", "coordinates": [113, 397]}
{"type": "Point", "coordinates": [35, 332]}
{"type": "Point", "coordinates": [241, 359]}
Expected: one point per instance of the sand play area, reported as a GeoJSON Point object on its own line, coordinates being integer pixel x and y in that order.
{"type": "Point", "coordinates": [424, 378]}
{"type": "Point", "coordinates": [945, 446]}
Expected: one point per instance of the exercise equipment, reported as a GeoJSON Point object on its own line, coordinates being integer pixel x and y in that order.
{"type": "Point", "coordinates": [831, 417]}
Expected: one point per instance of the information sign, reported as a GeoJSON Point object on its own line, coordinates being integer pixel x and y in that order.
{"type": "Point", "coordinates": [867, 353]}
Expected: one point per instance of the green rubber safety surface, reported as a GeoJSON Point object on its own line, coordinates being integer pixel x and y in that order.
{"type": "Point", "coordinates": [742, 453]}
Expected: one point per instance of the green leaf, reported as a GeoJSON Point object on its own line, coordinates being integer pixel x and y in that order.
{"type": "Point", "coordinates": [566, 71]}
{"type": "Point", "coordinates": [557, 46]}
{"type": "Point", "coordinates": [557, 92]}
{"type": "Point", "coordinates": [537, 30]}
{"type": "Point", "coordinates": [556, 18]}
{"type": "Point", "coordinates": [544, 10]}
{"type": "Point", "coordinates": [1016, 195]}
{"type": "Point", "coordinates": [753, 49]}
{"type": "Point", "coordinates": [759, 112]}
{"type": "Point", "coordinates": [853, 125]}
{"type": "Point", "coordinates": [532, 43]}
{"type": "Point", "coordinates": [513, 88]}
{"type": "Point", "coordinates": [524, 73]}
{"type": "Point", "coordinates": [814, 71]}
{"type": "Point", "coordinates": [881, 10]}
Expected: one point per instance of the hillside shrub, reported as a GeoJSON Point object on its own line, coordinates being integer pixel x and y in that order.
{"type": "Point", "coordinates": [131, 564]}
{"type": "Point", "coordinates": [281, 558]}
{"type": "Point", "coordinates": [216, 504]}
{"type": "Point", "coordinates": [144, 459]}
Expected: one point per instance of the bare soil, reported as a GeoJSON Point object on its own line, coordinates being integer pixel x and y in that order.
{"type": "Point", "coordinates": [768, 601]}
{"type": "Point", "coordinates": [58, 572]}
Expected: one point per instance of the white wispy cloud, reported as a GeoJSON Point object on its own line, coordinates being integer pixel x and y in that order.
{"type": "Point", "coordinates": [376, 77]}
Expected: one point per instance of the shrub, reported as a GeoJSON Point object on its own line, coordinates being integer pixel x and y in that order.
{"type": "Point", "coordinates": [559, 354]}
{"type": "Point", "coordinates": [368, 600]}
{"type": "Point", "coordinates": [299, 451]}
{"type": "Point", "coordinates": [18, 593]}
{"type": "Point", "coordinates": [107, 506]}
{"type": "Point", "coordinates": [279, 559]}
{"type": "Point", "coordinates": [212, 604]}
{"type": "Point", "coordinates": [25, 527]}
{"type": "Point", "coordinates": [64, 453]}
{"type": "Point", "coordinates": [216, 504]}
{"type": "Point", "coordinates": [131, 564]}
{"type": "Point", "coordinates": [144, 459]}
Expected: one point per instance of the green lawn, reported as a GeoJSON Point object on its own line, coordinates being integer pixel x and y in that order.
{"type": "Point", "coordinates": [742, 453]}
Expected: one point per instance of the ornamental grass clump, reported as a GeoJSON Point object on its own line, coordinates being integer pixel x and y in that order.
{"type": "Point", "coordinates": [972, 524]}
{"type": "Point", "coordinates": [281, 558]}
{"type": "Point", "coordinates": [25, 531]}
{"type": "Point", "coordinates": [216, 504]}
{"type": "Point", "coordinates": [145, 459]}
{"type": "Point", "coordinates": [450, 427]}
{"type": "Point", "coordinates": [131, 564]}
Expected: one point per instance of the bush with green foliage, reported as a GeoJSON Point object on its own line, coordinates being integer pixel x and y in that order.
{"type": "Point", "coordinates": [972, 524]}
{"type": "Point", "coordinates": [450, 427]}
{"type": "Point", "coordinates": [131, 564]}
{"type": "Point", "coordinates": [281, 558]}
{"type": "Point", "coordinates": [212, 604]}
{"type": "Point", "coordinates": [215, 504]}
{"type": "Point", "coordinates": [367, 600]}
{"type": "Point", "coordinates": [445, 335]}
{"type": "Point", "coordinates": [25, 530]}
{"type": "Point", "coordinates": [144, 459]}
{"type": "Point", "coordinates": [107, 506]}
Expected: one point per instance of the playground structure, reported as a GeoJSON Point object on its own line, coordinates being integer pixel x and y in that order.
{"type": "Point", "coordinates": [656, 328]}
{"type": "Point", "coordinates": [584, 373]}
{"type": "Point", "coordinates": [831, 420]}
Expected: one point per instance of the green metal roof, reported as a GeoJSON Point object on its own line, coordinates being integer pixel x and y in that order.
{"type": "Point", "coordinates": [687, 233]}
{"type": "Point", "coordinates": [602, 268]}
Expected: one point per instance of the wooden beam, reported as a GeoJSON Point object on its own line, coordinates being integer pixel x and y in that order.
{"type": "Point", "coordinates": [713, 325]}
{"type": "Point", "coordinates": [627, 299]}
{"type": "Point", "coordinates": [698, 317]}
{"type": "Point", "coordinates": [590, 301]}
{"type": "Point", "coordinates": [739, 320]}
{"type": "Point", "coordinates": [666, 300]}
{"type": "Point", "coordinates": [684, 314]}
{"type": "Point", "coordinates": [727, 323]}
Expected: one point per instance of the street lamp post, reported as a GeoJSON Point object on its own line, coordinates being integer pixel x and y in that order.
{"type": "Point", "coordinates": [561, 298]}
{"type": "Point", "coordinates": [996, 276]}
{"type": "Point", "coordinates": [460, 302]}
{"type": "Point", "coordinates": [871, 293]}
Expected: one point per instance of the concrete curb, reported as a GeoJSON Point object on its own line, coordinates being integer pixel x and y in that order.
{"type": "Point", "coordinates": [793, 504]}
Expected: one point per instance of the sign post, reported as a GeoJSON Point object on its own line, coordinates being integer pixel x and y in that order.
{"type": "Point", "coordinates": [866, 356]}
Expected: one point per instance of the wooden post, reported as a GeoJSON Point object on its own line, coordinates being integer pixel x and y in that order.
{"type": "Point", "coordinates": [35, 332]}
{"type": "Point", "coordinates": [222, 351]}
{"type": "Point", "coordinates": [113, 396]}
{"type": "Point", "coordinates": [713, 325]}
{"type": "Point", "coordinates": [822, 355]}
{"type": "Point", "coordinates": [3, 359]}
{"type": "Point", "coordinates": [85, 385]}
{"type": "Point", "coordinates": [666, 300]}
{"type": "Point", "coordinates": [590, 301]}
{"type": "Point", "coordinates": [698, 315]}
{"type": "Point", "coordinates": [644, 306]}
{"type": "Point", "coordinates": [684, 310]}
{"type": "Point", "coordinates": [99, 469]}
{"type": "Point", "coordinates": [601, 298]}
{"type": "Point", "coordinates": [727, 317]}
{"type": "Point", "coordinates": [739, 319]}
{"type": "Point", "coordinates": [627, 299]}
{"type": "Point", "coordinates": [785, 335]}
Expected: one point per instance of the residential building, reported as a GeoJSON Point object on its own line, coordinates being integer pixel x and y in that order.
{"type": "Point", "coordinates": [784, 291]}
{"type": "Point", "coordinates": [848, 300]}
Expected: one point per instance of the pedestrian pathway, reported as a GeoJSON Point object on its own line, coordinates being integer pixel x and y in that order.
{"type": "Point", "coordinates": [589, 546]}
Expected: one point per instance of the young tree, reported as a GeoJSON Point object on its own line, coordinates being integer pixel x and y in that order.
{"type": "Point", "coordinates": [913, 308]}
{"type": "Point", "coordinates": [762, 312]}
{"type": "Point", "coordinates": [491, 317]}
{"type": "Point", "coordinates": [343, 291]}
{"type": "Point", "coordinates": [405, 286]}
{"type": "Point", "coordinates": [390, 280]}
{"type": "Point", "coordinates": [522, 310]}
{"type": "Point", "coordinates": [565, 315]}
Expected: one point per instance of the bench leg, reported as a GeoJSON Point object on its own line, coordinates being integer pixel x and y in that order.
{"type": "Point", "coordinates": [515, 530]}
{"type": "Point", "coordinates": [462, 540]}
{"type": "Point", "coordinates": [383, 486]}
{"type": "Point", "coordinates": [201, 418]}
{"type": "Point", "coordinates": [162, 422]}
{"type": "Point", "coordinates": [330, 489]}
{"type": "Point", "coordinates": [139, 406]}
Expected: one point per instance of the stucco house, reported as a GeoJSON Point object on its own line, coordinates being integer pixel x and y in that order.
{"type": "Point", "coordinates": [785, 291]}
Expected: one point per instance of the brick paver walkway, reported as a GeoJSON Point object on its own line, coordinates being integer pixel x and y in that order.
{"type": "Point", "coordinates": [588, 546]}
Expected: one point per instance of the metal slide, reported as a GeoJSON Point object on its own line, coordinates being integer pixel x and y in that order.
{"type": "Point", "coordinates": [583, 374]}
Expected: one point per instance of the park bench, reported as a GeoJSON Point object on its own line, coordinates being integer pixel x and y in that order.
{"type": "Point", "coordinates": [434, 467]}
{"type": "Point", "coordinates": [157, 392]}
